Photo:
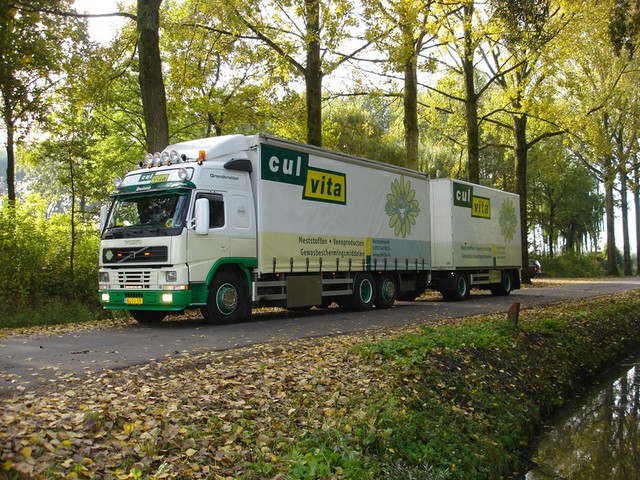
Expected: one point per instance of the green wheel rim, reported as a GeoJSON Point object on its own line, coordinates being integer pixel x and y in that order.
{"type": "Point", "coordinates": [227, 299]}
{"type": "Point", "coordinates": [462, 286]}
{"type": "Point", "coordinates": [388, 290]}
{"type": "Point", "coordinates": [506, 282]}
{"type": "Point", "coordinates": [366, 291]}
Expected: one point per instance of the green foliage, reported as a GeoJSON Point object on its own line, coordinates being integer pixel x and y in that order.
{"type": "Point", "coordinates": [362, 127]}
{"type": "Point", "coordinates": [624, 26]}
{"type": "Point", "coordinates": [571, 265]}
{"type": "Point", "coordinates": [35, 266]}
{"type": "Point", "coordinates": [565, 200]}
{"type": "Point", "coordinates": [53, 311]}
{"type": "Point", "coordinates": [37, 50]}
{"type": "Point", "coordinates": [467, 397]}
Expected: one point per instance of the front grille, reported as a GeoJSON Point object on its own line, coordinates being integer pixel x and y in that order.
{"type": "Point", "coordinates": [155, 254]}
{"type": "Point", "coordinates": [134, 278]}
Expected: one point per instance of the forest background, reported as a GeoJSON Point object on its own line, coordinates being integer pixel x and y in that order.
{"type": "Point", "coordinates": [537, 97]}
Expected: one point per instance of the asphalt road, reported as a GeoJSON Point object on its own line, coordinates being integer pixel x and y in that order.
{"type": "Point", "coordinates": [31, 361]}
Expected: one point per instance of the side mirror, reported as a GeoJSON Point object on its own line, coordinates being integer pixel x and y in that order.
{"type": "Point", "coordinates": [202, 216]}
{"type": "Point", "coordinates": [104, 211]}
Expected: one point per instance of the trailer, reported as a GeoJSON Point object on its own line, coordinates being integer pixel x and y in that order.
{"type": "Point", "coordinates": [475, 234]}
{"type": "Point", "coordinates": [228, 223]}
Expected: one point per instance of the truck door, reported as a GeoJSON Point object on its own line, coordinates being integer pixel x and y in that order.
{"type": "Point", "coordinates": [204, 250]}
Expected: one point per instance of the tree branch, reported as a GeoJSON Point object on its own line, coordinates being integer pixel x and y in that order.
{"type": "Point", "coordinates": [54, 11]}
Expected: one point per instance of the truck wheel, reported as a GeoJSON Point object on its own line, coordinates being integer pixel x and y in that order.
{"type": "Point", "coordinates": [385, 291]}
{"type": "Point", "coordinates": [147, 316]}
{"type": "Point", "coordinates": [461, 290]}
{"type": "Point", "coordinates": [227, 299]}
{"type": "Point", "coordinates": [504, 287]}
{"type": "Point", "coordinates": [364, 293]}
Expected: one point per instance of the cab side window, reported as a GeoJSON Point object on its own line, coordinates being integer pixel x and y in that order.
{"type": "Point", "coordinates": [216, 209]}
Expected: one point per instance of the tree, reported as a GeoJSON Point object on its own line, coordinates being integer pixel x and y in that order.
{"type": "Point", "coordinates": [624, 26]}
{"type": "Point", "coordinates": [564, 201]}
{"type": "Point", "coordinates": [525, 29]}
{"type": "Point", "coordinates": [624, 33]}
{"type": "Point", "coordinates": [363, 127]}
{"type": "Point", "coordinates": [66, 160]}
{"type": "Point", "coordinates": [35, 51]}
{"type": "Point", "coordinates": [154, 98]}
{"type": "Point", "coordinates": [462, 37]}
{"type": "Point", "coordinates": [306, 35]}
{"type": "Point", "coordinates": [218, 82]}
{"type": "Point", "coordinates": [150, 74]}
{"type": "Point", "coordinates": [411, 26]}
{"type": "Point", "coordinates": [445, 133]}
{"type": "Point", "coordinates": [469, 45]}
{"type": "Point", "coordinates": [599, 84]}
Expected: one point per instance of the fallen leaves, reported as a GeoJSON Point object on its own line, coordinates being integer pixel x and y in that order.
{"type": "Point", "coordinates": [213, 415]}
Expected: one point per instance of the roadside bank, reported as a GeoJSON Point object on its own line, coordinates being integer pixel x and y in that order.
{"type": "Point", "coordinates": [461, 399]}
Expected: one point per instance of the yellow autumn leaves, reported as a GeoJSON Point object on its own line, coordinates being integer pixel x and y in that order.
{"type": "Point", "coordinates": [207, 416]}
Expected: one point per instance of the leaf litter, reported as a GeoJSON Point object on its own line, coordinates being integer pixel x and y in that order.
{"type": "Point", "coordinates": [203, 416]}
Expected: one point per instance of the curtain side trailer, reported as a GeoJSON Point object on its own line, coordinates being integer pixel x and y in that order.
{"type": "Point", "coordinates": [475, 239]}
{"type": "Point", "coordinates": [227, 223]}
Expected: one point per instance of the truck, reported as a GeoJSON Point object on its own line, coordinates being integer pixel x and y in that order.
{"type": "Point", "coordinates": [227, 223]}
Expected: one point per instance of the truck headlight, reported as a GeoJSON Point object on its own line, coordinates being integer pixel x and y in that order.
{"type": "Point", "coordinates": [104, 277]}
{"type": "Point", "coordinates": [105, 297]}
{"type": "Point", "coordinates": [171, 276]}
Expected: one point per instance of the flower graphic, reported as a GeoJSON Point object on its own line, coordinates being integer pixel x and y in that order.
{"type": "Point", "coordinates": [402, 207]}
{"type": "Point", "coordinates": [508, 220]}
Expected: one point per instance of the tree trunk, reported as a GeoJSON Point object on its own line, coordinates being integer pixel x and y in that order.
{"type": "Point", "coordinates": [624, 206]}
{"type": "Point", "coordinates": [520, 150]}
{"type": "Point", "coordinates": [72, 248]}
{"type": "Point", "coordinates": [11, 159]}
{"type": "Point", "coordinates": [609, 177]}
{"type": "Point", "coordinates": [411, 131]}
{"type": "Point", "coordinates": [313, 74]}
{"type": "Point", "coordinates": [552, 228]}
{"type": "Point", "coordinates": [471, 100]}
{"type": "Point", "coordinates": [154, 98]}
{"type": "Point", "coordinates": [636, 203]}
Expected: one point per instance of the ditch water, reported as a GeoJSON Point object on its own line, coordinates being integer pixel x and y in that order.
{"type": "Point", "coordinates": [597, 436]}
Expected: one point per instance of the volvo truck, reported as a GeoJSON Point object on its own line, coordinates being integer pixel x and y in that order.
{"type": "Point", "coordinates": [228, 223]}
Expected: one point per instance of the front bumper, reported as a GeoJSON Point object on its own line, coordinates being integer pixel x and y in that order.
{"type": "Point", "coordinates": [165, 300]}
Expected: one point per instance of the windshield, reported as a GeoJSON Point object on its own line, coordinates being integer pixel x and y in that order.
{"type": "Point", "coordinates": [156, 214]}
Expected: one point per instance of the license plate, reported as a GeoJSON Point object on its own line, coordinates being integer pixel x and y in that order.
{"type": "Point", "coordinates": [133, 300]}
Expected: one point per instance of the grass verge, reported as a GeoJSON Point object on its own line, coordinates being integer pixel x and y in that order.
{"type": "Point", "coordinates": [461, 399]}
{"type": "Point", "coordinates": [55, 311]}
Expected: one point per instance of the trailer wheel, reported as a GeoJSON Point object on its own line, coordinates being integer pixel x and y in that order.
{"type": "Point", "coordinates": [364, 293]}
{"type": "Point", "coordinates": [147, 316]}
{"type": "Point", "coordinates": [386, 291]}
{"type": "Point", "coordinates": [227, 299]}
{"type": "Point", "coordinates": [460, 290]}
{"type": "Point", "coordinates": [505, 286]}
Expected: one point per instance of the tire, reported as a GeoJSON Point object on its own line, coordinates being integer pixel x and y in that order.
{"type": "Point", "coordinates": [364, 293]}
{"type": "Point", "coordinates": [505, 286]}
{"type": "Point", "coordinates": [147, 316]}
{"type": "Point", "coordinates": [386, 291]}
{"type": "Point", "coordinates": [228, 299]}
{"type": "Point", "coordinates": [460, 290]}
